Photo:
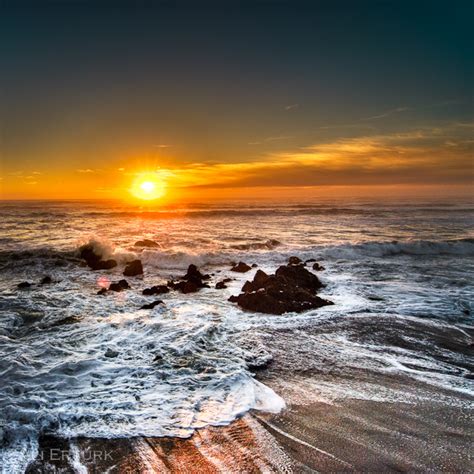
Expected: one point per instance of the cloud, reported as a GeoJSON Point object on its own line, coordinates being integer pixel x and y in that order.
{"type": "Point", "coordinates": [425, 155]}
{"type": "Point", "coordinates": [272, 139]}
{"type": "Point", "coordinates": [348, 125]}
{"type": "Point", "coordinates": [86, 170]}
{"type": "Point", "coordinates": [388, 113]}
{"type": "Point", "coordinates": [292, 106]}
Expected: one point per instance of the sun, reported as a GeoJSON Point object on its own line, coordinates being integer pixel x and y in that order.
{"type": "Point", "coordinates": [148, 186]}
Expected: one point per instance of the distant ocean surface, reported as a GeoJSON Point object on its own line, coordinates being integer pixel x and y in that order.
{"type": "Point", "coordinates": [400, 274]}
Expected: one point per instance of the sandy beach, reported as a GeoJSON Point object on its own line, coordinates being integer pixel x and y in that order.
{"type": "Point", "coordinates": [350, 437]}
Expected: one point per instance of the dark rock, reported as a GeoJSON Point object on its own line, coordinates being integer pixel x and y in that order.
{"type": "Point", "coordinates": [151, 305]}
{"type": "Point", "coordinates": [46, 280]}
{"type": "Point", "coordinates": [291, 289]}
{"type": "Point", "coordinates": [275, 301]}
{"type": "Point", "coordinates": [194, 274]}
{"type": "Point", "coordinates": [310, 260]}
{"type": "Point", "coordinates": [258, 365]}
{"type": "Point", "coordinates": [23, 285]}
{"type": "Point", "coordinates": [191, 282]}
{"type": "Point", "coordinates": [299, 276]}
{"type": "Point", "coordinates": [105, 264]}
{"type": "Point", "coordinates": [254, 265]}
{"type": "Point", "coordinates": [124, 284]}
{"type": "Point", "coordinates": [220, 285]}
{"type": "Point", "coordinates": [87, 253]}
{"type": "Point", "coordinates": [156, 290]}
{"type": "Point", "coordinates": [259, 281]}
{"type": "Point", "coordinates": [146, 243]}
{"type": "Point", "coordinates": [102, 291]}
{"type": "Point", "coordinates": [241, 267]}
{"type": "Point", "coordinates": [133, 268]}
{"type": "Point", "coordinates": [94, 260]}
{"type": "Point", "coordinates": [318, 267]}
{"type": "Point", "coordinates": [186, 287]}
{"type": "Point", "coordinates": [375, 298]}
{"type": "Point", "coordinates": [111, 353]}
{"type": "Point", "coordinates": [119, 285]}
{"type": "Point", "coordinates": [295, 261]}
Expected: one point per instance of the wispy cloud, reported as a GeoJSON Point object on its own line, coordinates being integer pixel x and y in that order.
{"type": "Point", "coordinates": [85, 170]}
{"type": "Point", "coordinates": [292, 106]}
{"type": "Point", "coordinates": [423, 155]}
{"type": "Point", "coordinates": [272, 139]}
{"type": "Point", "coordinates": [347, 125]}
{"type": "Point", "coordinates": [388, 113]}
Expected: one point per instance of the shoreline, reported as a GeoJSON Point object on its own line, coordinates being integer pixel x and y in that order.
{"type": "Point", "coordinates": [352, 436]}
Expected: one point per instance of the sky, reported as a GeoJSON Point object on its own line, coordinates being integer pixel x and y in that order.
{"type": "Point", "coordinates": [234, 96]}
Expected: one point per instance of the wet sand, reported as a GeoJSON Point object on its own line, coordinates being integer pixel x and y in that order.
{"type": "Point", "coordinates": [355, 436]}
{"type": "Point", "coordinates": [406, 425]}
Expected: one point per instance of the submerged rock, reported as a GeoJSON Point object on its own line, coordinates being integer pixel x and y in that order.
{"type": "Point", "coordinates": [115, 286]}
{"type": "Point", "coordinates": [111, 353]}
{"type": "Point", "coordinates": [66, 320]}
{"type": "Point", "coordinates": [46, 280]}
{"type": "Point", "coordinates": [156, 290]}
{"type": "Point", "coordinates": [241, 267]}
{"type": "Point", "coordinates": [318, 267]}
{"type": "Point", "coordinates": [24, 285]}
{"type": "Point", "coordinates": [147, 243]}
{"type": "Point", "coordinates": [220, 285]}
{"type": "Point", "coordinates": [152, 305]}
{"type": "Point", "coordinates": [133, 268]}
{"type": "Point", "coordinates": [291, 289]}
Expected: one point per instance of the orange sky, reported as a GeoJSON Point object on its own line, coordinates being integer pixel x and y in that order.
{"type": "Point", "coordinates": [440, 156]}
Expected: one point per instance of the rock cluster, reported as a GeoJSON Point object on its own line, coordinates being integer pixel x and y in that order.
{"type": "Point", "coordinates": [193, 281]}
{"type": "Point", "coordinates": [291, 289]}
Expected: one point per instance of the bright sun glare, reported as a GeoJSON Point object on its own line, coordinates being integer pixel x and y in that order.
{"type": "Point", "coordinates": [148, 186]}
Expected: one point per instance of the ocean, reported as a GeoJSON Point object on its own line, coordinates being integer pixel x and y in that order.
{"type": "Point", "coordinates": [75, 363]}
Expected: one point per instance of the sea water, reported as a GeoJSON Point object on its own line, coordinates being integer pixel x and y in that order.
{"type": "Point", "coordinates": [74, 363]}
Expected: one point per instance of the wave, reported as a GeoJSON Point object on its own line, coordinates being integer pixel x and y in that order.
{"type": "Point", "coordinates": [460, 247]}
{"type": "Point", "coordinates": [264, 251]}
